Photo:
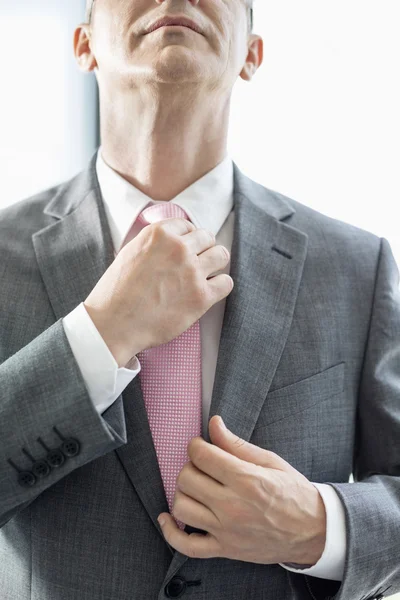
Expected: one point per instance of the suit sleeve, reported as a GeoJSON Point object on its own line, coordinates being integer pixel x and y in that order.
{"type": "Point", "coordinates": [44, 401]}
{"type": "Point", "coordinates": [372, 502]}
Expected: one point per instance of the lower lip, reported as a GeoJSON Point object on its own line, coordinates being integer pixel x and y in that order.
{"type": "Point", "coordinates": [173, 27]}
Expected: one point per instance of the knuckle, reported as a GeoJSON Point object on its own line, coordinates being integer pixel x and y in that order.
{"type": "Point", "coordinates": [176, 509]}
{"type": "Point", "coordinates": [191, 226]}
{"type": "Point", "coordinates": [211, 235]}
{"type": "Point", "coordinates": [239, 442]}
{"type": "Point", "coordinates": [180, 249]}
{"type": "Point", "coordinates": [157, 228]}
{"type": "Point", "coordinates": [249, 481]}
{"type": "Point", "coordinates": [268, 485]}
{"type": "Point", "coordinates": [156, 231]}
{"type": "Point", "coordinates": [245, 477]}
{"type": "Point", "coordinates": [200, 453]}
{"type": "Point", "coordinates": [272, 455]}
{"type": "Point", "coordinates": [200, 294]}
{"type": "Point", "coordinates": [193, 269]}
{"type": "Point", "coordinates": [183, 473]}
{"type": "Point", "coordinates": [191, 448]}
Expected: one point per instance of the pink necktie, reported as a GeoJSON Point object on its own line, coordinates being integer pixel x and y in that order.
{"type": "Point", "coordinates": [170, 378]}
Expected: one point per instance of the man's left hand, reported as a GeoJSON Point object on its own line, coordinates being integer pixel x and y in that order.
{"type": "Point", "coordinates": [254, 505]}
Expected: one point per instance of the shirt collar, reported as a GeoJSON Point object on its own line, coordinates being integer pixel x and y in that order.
{"type": "Point", "coordinates": [208, 201]}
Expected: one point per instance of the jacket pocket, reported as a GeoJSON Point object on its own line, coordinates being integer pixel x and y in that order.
{"type": "Point", "coordinates": [298, 396]}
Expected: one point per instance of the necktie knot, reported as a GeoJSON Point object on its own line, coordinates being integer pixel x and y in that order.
{"type": "Point", "coordinates": [159, 212]}
{"type": "Point", "coordinates": [154, 213]}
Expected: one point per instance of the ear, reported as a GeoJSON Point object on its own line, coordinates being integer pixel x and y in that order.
{"type": "Point", "coordinates": [254, 57]}
{"type": "Point", "coordinates": [82, 48]}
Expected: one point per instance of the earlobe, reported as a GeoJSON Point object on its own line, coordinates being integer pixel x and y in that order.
{"type": "Point", "coordinates": [87, 62]}
{"type": "Point", "coordinates": [247, 72]}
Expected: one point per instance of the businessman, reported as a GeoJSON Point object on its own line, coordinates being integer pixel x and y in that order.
{"type": "Point", "coordinates": [161, 294]}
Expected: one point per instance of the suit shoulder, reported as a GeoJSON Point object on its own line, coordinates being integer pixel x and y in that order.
{"type": "Point", "coordinates": [28, 212]}
{"type": "Point", "coordinates": [321, 227]}
{"type": "Point", "coordinates": [28, 216]}
{"type": "Point", "coordinates": [24, 217]}
{"type": "Point", "coordinates": [20, 220]}
{"type": "Point", "coordinates": [351, 252]}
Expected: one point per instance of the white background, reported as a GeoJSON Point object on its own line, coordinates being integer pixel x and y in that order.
{"type": "Point", "coordinates": [320, 122]}
{"type": "Point", "coordinates": [47, 106]}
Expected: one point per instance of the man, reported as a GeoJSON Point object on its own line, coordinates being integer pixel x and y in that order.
{"type": "Point", "coordinates": [121, 346]}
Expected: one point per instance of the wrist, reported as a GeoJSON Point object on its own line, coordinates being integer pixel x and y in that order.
{"type": "Point", "coordinates": [122, 354]}
{"type": "Point", "coordinates": [313, 546]}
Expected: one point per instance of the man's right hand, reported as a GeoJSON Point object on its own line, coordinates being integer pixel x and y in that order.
{"type": "Point", "coordinates": [157, 287]}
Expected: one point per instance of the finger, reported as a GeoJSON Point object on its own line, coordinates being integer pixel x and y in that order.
{"type": "Point", "coordinates": [177, 225]}
{"type": "Point", "coordinates": [215, 462]}
{"type": "Point", "coordinates": [193, 545]}
{"type": "Point", "coordinates": [246, 451]}
{"type": "Point", "coordinates": [199, 486]}
{"type": "Point", "coordinates": [193, 513]}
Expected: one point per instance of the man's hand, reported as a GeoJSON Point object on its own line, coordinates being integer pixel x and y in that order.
{"type": "Point", "coordinates": [159, 285]}
{"type": "Point", "coordinates": [254, 505]}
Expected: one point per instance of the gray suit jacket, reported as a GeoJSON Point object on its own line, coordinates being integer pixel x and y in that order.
{"type": "Point", "coordinates": [308, 367]}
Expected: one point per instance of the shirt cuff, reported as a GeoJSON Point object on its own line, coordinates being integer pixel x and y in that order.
{"type": "Point", "coordinates": [103, 379]}
{"type": "Point", "coordinates": [331, 563]}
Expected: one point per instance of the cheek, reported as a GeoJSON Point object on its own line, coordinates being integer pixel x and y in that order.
{"type": "Point", "coordinates": [101, 41]}
{"type": "Point", "coordinates": [235, 44]}
{"type": "Point", "coordinates": [236, 58]}
{"type": "Point", "coordinates": [111, 30]}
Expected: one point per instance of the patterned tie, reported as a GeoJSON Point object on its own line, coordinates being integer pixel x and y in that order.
{"type": "Point", "coordinates": [170, 378]}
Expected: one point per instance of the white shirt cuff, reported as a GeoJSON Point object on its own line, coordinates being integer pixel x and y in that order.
{"type": "Point", "coordinates": [331, 563]}
{"type": "Point", "coordinates": [103, 379]}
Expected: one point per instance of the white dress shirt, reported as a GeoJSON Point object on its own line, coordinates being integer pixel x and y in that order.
{"type": "Point", "coordinates": [209, 204]}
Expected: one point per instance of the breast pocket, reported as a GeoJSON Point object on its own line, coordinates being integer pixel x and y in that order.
{"type": "Point", "coordinates": [295, 421]}
{"type": "Point", "coordinates": [302, 394]}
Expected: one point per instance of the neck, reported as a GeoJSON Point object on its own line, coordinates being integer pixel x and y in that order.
{"type": "Point", "coordinates": [164, 141]}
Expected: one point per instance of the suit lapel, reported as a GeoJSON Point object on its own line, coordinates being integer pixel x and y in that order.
{"type": "Point", "coordinates": [74, 252]}
{"type": "Point", "coordinates": [267, 260]}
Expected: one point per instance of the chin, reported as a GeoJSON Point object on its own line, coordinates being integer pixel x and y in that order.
{"type": "Point", "coordinates": [173, 65]}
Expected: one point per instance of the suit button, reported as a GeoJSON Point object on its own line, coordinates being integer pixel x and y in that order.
{"type": "Point", "coordinates": [26, 478]}
{"type": "Point", "coordinates": [55, 458]}
{"type": "Point", "coordinates": [175, 588]}
{"type": "Point", "coordinates": [70, 447]}
{"type": "Point", "coordinates": [40, 468]}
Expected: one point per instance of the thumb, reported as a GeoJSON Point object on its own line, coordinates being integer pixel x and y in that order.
{"type": "Point", "coordinates": [222, 437]}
